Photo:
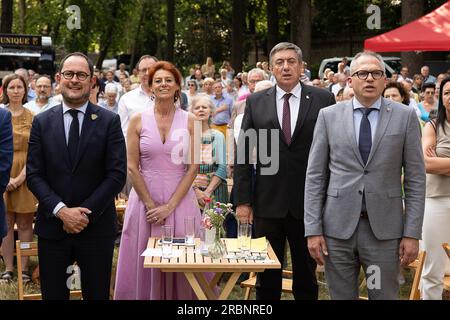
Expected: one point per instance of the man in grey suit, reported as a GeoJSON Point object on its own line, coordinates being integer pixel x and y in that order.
{"type": "Point", "coordinates": [353, 193]}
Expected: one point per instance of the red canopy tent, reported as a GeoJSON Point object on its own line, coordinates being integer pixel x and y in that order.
{"type": "Point", "coordinates": [428, 33]}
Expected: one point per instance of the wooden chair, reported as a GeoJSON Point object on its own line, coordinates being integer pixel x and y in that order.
{"type": "Point", "coordinates": [249, 284]}
{"type": "Point", "coordinates": [29, 249]}
{"type": "Point", "coordinates": [286, 284]}
{"type": "Point", "coordinates": [418, 266]}
{"type": "Point", "coordinates": [446, 247]}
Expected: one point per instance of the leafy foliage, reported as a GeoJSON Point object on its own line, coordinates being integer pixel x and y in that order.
{"type": "Point", "coordinates": [202, 27]}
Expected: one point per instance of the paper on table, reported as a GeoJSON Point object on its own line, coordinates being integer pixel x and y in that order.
{"type": "Point", "coordinates": [152, 252]}
{"type": "Point", "coordinates": [257, 245]}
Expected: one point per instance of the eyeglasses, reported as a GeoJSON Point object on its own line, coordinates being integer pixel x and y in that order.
{"type": "Point", "coordinates": [43, 86]}
{"type": "Point", "coordinates": [68, 75]}
{"type": "Point", "coordinates": [253, 81]}
{"type": "Point", "coordinates": [191, 85]}
{"type": "Point", "coordinates": [363, 74]}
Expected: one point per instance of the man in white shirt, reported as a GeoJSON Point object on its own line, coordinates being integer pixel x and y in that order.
{"type": "Point", "coordinates": [138, 99]}
{"type": "Point", "coordinates": [342, 83]}
{"type": "Point", "coordinates": [403, 76]}
{"type": "Point", "coordinates": [43, 100]}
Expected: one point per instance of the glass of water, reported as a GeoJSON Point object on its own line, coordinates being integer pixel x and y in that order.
{"type": "Point", "coordinates": [189, 230]}
{"type": "Point", "coordinates": [167, 240]}
{"type": "Point", "coordinates": [244, 238]}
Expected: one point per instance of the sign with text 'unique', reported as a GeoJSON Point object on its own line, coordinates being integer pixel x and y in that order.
{"type": "Point", "coordinates": [19, 41]}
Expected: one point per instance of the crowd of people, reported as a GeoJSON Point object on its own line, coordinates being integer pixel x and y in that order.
{"type": "Point", "coordinates": [362, 169]}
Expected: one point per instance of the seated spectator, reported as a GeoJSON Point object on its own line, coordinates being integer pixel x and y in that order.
{"type": "Point", "coordinates": [229, 90]}
{"type": "Point", "coordinates": [317, 83]}
{"type": "Point", "coordinates": [121, 71]}
{"type": "Point", "coordinates": [396, 92]}
{"type": "Point", "coordinates": [134, 77]}
{"type": "Point", "coordinates": [427, 77]}
{"type": "Point", "coordinates": [110, 102]}
{"type": "Point", "coordinates": [417, 85]}
{"type": "Point", "coordinates": [340, 95]}
{"type": "Point", "coordinates": [404, 75]}
{"type": "Point", "coordinates": [208, 86]}
{"type": "Point", "coordinates": [192, 91]}
{"type": "Point", "coordinates": [44, 99]}
{"type": "Point", "coordinates": [348, 93]}
{"type": "Point", "coordinates": [428, 104]}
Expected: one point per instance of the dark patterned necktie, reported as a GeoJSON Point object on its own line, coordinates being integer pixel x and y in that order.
{"type": "Point", "coordinates": [286, 125]}
{"type": "Point", "coordinates": [74, 135]}
{"type": "Point", "coordinates": [365, 135]}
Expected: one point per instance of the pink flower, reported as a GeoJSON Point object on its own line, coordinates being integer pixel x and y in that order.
{"type": "Point", "coordinates": [206, 222]}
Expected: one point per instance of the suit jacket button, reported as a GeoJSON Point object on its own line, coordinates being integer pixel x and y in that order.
{"type": "Point", "coordinates": [366, 172]}
{"type": "Point", "coordinates": [360, 192]}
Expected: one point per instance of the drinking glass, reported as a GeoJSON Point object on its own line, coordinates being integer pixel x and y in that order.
{"type": "Point", "coordinates": [189, 230]}
{"type": "Point", "coordinates": [244, 238]}
{"type": "Point", "coordinates": [167, 240]}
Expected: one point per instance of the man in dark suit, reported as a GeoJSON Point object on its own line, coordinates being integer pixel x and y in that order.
{"type": "Point", "coordinates": [287, 114]}
{"type": "Point", "coordinates": [6, 158]}
{"type": "Point", "coordinates": [76, 166]}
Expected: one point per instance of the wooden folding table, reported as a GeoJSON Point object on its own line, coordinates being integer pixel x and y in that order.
{"type": "Point", "coordinates": [194, 265]}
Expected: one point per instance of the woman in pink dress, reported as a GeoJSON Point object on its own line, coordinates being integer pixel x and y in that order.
{"type": "Point", "coordinates": [158, 143]}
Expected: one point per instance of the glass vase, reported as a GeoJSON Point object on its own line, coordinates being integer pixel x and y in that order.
{"type": "Point", "coordinates": [217, 249]}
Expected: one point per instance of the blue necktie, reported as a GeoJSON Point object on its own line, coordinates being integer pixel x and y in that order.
{"type": "Point", "coordinates": [365, 135]}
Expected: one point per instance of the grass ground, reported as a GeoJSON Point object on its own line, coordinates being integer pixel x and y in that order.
{"type": "Point", "coordinates": [8, 291]}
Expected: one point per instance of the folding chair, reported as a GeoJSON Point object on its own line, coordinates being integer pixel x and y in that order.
{"type": "Point", "coordinates": [446, 247]}
{"type": "Point", "coordinates": [29, 249]}
{"type": "Point", "coordinates": [418, 266]}
{"type": "Point", "coordinates": [250, 283]}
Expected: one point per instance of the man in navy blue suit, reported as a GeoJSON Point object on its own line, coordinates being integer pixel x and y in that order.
{"type": "Point", "coordinates": [76, 166]}
{"type": "Point", "coordinates": [6, 158]}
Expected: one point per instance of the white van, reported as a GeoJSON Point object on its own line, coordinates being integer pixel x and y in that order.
{"type": "Point", "coordinates": [393, 65]}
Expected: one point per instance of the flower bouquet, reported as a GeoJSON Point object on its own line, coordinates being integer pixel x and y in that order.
{"type": "Point", "coordinates": [214, 215]}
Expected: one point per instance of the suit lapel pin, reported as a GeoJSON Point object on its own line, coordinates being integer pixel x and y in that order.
{"type": "Point", "coordinates": [307, 97]}
{"type": "Point", "coordinates": [94, 116]}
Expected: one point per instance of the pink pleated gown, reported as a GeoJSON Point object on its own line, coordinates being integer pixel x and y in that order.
{"type": "Point", "coordinates": [162, 171]}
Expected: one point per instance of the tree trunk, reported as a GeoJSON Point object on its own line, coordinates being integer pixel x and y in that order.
{"type": "Point", "coordinates": [237, 34]}
{"type": "Point", "coordinates": [7, 16]}
{"type": "Point", "coordinates": [170, 30]}
{"type": "Point", "coordinates": [22, 13]}
{"type": "Point", "coordinates": [252, 29]}
{"type": "Point", "coordinates": [411, 10]}
{"type": "Point", "coordinates": [58, 23]}
{"type": "Point", "coordinates": [272, 24]}
{"type": "Point", "coordinates": [301, 26]}
{"type": "Point", "coordinates": [106, 41]}
{"type": "Point", "coordinates": [133, 59]}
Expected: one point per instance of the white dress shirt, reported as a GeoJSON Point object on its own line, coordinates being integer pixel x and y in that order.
{"type": "Point", "coordinates": [294, 104]}
{"type": "Point", "coordinates": [136, 100]}
{"type": "Point", "coordinates": [67, 122]}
